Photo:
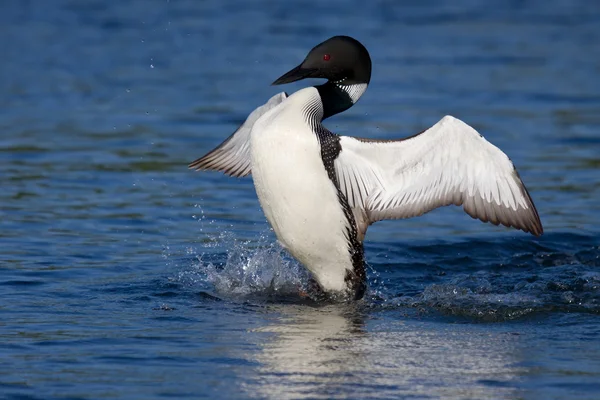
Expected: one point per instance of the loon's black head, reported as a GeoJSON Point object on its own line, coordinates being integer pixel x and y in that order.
{"type": "Point", "coordinates": [346, 65]}
{"type": "Point", "coordinates": [340, 59]}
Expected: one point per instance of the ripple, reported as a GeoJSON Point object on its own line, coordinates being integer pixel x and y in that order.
{"type": "Point", "coordinates": [107, 275]}
{"type": "Point", "coordinates": [481, 280]}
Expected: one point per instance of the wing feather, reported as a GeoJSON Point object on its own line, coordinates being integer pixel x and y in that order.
{"type": "Point", "coordinates": [232, 157]}
{"type": "Point", "coordinates": [450, 163]}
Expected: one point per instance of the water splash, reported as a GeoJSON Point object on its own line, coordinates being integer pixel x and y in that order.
{"type": "Point", "coordinates": [261, 272]}
{"type": "Point", "coordinates": [240, 270]}
{"type": "Point", "coordinates": [500, 280]}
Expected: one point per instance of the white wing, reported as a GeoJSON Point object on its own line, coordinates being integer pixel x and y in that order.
{"type": "Point", "coordinates": [449, 163]}
{"type": "Point", "coordinates": [232, 157]}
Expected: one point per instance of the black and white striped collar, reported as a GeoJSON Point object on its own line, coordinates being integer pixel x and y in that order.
{"type": "Point", "coordinates": [339, 96]}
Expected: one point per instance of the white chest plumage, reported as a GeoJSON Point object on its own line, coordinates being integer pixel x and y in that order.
{"type": "Point", "coordinates": [298, 198]}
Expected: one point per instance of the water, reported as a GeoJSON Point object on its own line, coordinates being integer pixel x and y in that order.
{"type": "Point", "coordinates": [124, 275]}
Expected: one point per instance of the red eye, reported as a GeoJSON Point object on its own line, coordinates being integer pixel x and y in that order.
{"type": "Point", "coordinates": [326, 57]}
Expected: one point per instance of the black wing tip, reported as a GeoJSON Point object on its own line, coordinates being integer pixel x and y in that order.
{"type": "Point", "coordinates": [531, 222]}
{"type": "Point", "coordinates": [198, 164]}
{"type": "Point", "coordinates": [536, 229]}
{"type": "Point", "coordinates": [523, 219]}
{"type": "Point", "coordinates": [202, 164]}
{"type": "Point", "coordinates": [535, 224]}
{"type": "Point", "coordinates": [532, 225]}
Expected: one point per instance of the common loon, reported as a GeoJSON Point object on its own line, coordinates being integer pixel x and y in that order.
{"type": "Point", "coordinates": [320, 191]}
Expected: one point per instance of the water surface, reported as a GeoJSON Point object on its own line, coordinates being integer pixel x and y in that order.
{"type": "Point", "coordinates": [124, 275]}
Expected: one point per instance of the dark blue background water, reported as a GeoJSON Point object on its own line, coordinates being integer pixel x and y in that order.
{"type": "Point", "coordinates": [124, 275]}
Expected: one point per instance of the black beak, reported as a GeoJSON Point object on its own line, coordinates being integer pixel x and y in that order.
{"type": "Point", "coordinates": [295, 75]}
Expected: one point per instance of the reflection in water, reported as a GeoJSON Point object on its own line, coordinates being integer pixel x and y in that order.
{"type": "Point", "coordinates": [335, 352]}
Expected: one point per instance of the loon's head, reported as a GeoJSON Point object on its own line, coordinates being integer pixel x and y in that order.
{"type": "Point", "coordinates": [346, 65]}
{"type": "Point", "coordinates": [340, 59]}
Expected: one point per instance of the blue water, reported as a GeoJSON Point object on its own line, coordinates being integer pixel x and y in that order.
{"type": "Point", "coordinates": [123, 275]}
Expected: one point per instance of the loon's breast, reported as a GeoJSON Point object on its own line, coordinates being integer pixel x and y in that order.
{"type": "Point", "coordinates": [297, 195]}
